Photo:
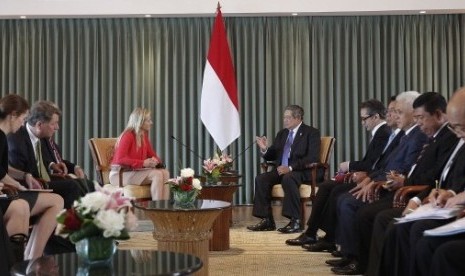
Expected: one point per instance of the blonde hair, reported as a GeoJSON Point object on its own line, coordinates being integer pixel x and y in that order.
{"type": "Point", "coordinates": [136, 119]}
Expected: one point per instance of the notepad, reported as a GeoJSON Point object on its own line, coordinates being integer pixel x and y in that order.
{"type": "Point", "coordinates": [452, 228]}
{"type": "Point", "coordinates": [430, 211]}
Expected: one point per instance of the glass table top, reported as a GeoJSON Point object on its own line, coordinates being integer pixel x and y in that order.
{"type": "Point", "coordinates": [168, 205]}
{"type": "Point", "coordinates": [125, 262]}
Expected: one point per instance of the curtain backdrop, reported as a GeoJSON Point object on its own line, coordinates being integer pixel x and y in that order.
{"type": "Point", "coordinates": [98, 70]}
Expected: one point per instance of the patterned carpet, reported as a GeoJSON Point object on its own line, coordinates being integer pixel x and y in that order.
{"type": "Point", "coordinates": [251, 253]}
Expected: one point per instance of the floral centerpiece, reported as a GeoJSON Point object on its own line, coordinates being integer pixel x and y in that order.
{"type": "Point", "coordinates": [214, 167]}
{"type": "Point", "coordinates": [185, 188]}
{"type": "Point", "coordinates": [95, 220]}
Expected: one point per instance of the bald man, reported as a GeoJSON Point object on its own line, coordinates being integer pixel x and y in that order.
{"type": "Point", "coordinates": [439, 255]}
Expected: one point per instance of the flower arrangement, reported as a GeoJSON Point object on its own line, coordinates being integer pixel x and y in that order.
{"type": "Point", "coordinates": [213, 167]}
{"type": "Point", "coordinates": [185, 188]}
{"type": "Point", "coordinates": [102, 213]}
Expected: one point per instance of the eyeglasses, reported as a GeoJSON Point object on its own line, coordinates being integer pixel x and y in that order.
{"type": "Point", "coordinates": [367, 117]}
{"type": "Point", "coordinates": [456, 128]}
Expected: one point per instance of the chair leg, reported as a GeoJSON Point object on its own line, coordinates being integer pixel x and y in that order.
{"type": "Point", "coordinates": [302, 215]}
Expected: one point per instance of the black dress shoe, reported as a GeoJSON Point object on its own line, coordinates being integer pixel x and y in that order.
{"type": "Point", "coordinates": [292, 227]}
{"type": "Point", "coordinates": [338, 262]}
{"type": "Point", "coordinates": [350, 269]}
{"type": "Point", "coordinates": [320, 246]}
{"type": "Point", "coordinates": [265, 224]}
{"type": "Point", "coordinates": [336, 254]}
{"type": "Point", "coordinates": [301, 240]}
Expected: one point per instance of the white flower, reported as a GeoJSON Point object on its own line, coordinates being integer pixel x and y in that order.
{"type": "Point", "coordinates": [187, 172]}
{"type": "Point", "coordinates": [93, 202]}
{"type": "Point", "coordinates": [196, 184]}
{"type": "Point", "coordinates": [111, 222]}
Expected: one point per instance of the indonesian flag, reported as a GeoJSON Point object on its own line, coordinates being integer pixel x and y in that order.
{"type": "Point", "coordinates": [219, 106]}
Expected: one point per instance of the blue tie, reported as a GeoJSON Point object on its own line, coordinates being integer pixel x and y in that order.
{"type": "Point", "coordinates": [391, 137]}
{"type": "Point", "coordinates": [287, 149]}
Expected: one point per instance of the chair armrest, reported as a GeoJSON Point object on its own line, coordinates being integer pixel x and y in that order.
{"type": "Point", "coordinates": [405, 193]}
{"type": "Point", "coordinates": [376, 190]}
{"type": "Point", "coordinates": [264, 166]}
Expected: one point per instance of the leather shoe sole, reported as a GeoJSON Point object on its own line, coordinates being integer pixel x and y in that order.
{"type": "Point", "coordinates": [351, 269]}
{"type": "Point", "coordinates": [320, 246]}
{"type": "Point", "coordinates": [338, 262]}
{"type": "Point", "coordinates": [264, 225]}
{"type": "Point", "coordinates": [336, 254]}
{"type": "Point", "coordinates": [292, 227]}
{"type": "Point", "coordinates": [301, 240]}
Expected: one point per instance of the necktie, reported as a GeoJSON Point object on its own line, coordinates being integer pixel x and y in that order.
{"type": "Point", "coordinates": [287, 149]}
{"type": "Point", "coordinates": [56, 153]}
{"type": "Point", "coordinates": [40, 163]}
{"type": "Point", "coordinates": [391, 137]}
{"type": "Point", "coordinates": [449, 163]}
{"type": "Point", "coordinates": [419, 156]}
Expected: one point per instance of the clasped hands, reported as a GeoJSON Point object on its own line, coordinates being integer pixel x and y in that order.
{"type": "Point", "coordinates": [363, 190]}
{"type": "Point", "coordinates": [283, 170]}
{"type": "Point", "coordinates": [151, 162]}
{"type": "Point", "coordinates": [61, 169]}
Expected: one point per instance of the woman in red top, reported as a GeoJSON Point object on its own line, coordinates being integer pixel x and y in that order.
{"type": "Point", "coordinates": [134, 150]}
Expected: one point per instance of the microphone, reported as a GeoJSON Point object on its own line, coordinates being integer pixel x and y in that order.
{"type": "Point", "coordinates": [181, 143]}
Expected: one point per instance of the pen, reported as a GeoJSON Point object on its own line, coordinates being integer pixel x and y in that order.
{"type": "Point", "coordinates": [437, 193]}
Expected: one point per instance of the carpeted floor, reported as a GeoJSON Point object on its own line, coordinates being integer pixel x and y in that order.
{"type": "Point", "coordinates": [251, 253]}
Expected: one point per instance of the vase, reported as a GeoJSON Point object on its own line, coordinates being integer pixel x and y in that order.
{"type": "Point", "coordinates": [185, 198]}
{"type": "Point", "coordinates": [210, 179]}
{"type": "Point", "coordinates": [96, 250]}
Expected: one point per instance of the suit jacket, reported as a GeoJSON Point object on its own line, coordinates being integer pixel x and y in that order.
{"type": "Point", "coordinates": [304, 150]}
{"type": "Point", "coordinates": [455, 179]}
{"type": "Point", "coordinates": [405, 154]}
{"type": "Point", "coordinates": [21, 153]}
{"type": "Point", "coordinates": [433, 157]}
{"type": "Point", "coordinates": [374, 150]}
{"type": "Point", "coordinates": [383, 159]}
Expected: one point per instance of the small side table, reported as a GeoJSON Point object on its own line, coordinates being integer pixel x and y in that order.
{"type": "Point", "coordinates": [221, 191]}
{"type": "Point", "coordinates": [185, 230]}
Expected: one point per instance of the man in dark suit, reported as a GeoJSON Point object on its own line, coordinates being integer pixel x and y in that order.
{"type": "Point", "coordinates": [67, 169]}
{"type": "Point", "coordinates": [401, 239]}
{"type": "Point", "coordinates": [430, 114]}
{"type": "Point", "coordinates": [294, 147]}
{"type": "Point", "coordinates": [328, 217]}
{"type": "Point", "coordinates": [400, 160]}
{"type": "Point", "coordinates": [429, 111]}
{"type": "Point", "coordinates": [24, 148]}
{"type": "Point", "coordinates": [373, 117]}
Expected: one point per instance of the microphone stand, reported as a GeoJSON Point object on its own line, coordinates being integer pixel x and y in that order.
{"type": "Point", "coordinates": [181, 143]}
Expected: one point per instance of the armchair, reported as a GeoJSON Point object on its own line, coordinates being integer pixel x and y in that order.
{"type": "Point", "coordinates": [402, 195]}
{"type": "Point", "coordinates": [307, 190]}
{"type": "Point", "coordinates": [102, 150]}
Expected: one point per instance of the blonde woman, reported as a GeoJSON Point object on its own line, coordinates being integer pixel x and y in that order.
{"type": "Point", "coordinates": [134, 150]}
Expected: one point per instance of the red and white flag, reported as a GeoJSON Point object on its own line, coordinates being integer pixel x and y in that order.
{"type": "Point", "coordinates": [219, 105]}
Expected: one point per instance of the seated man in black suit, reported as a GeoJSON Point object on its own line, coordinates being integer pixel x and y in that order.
{"type": "Point", "coordinates": [25, 154]}
{"type": "Point", "coordinates": [401, 239]}
{"type": "Point", "coordinates": [61, 167]}
{"type": "Point", "coordinates": [294, 147]}
{"type": "Point", "coordinates": [375, 119]}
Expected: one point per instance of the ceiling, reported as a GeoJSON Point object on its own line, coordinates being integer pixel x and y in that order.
{"type": "Point", "coordinates": [206, 8]}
